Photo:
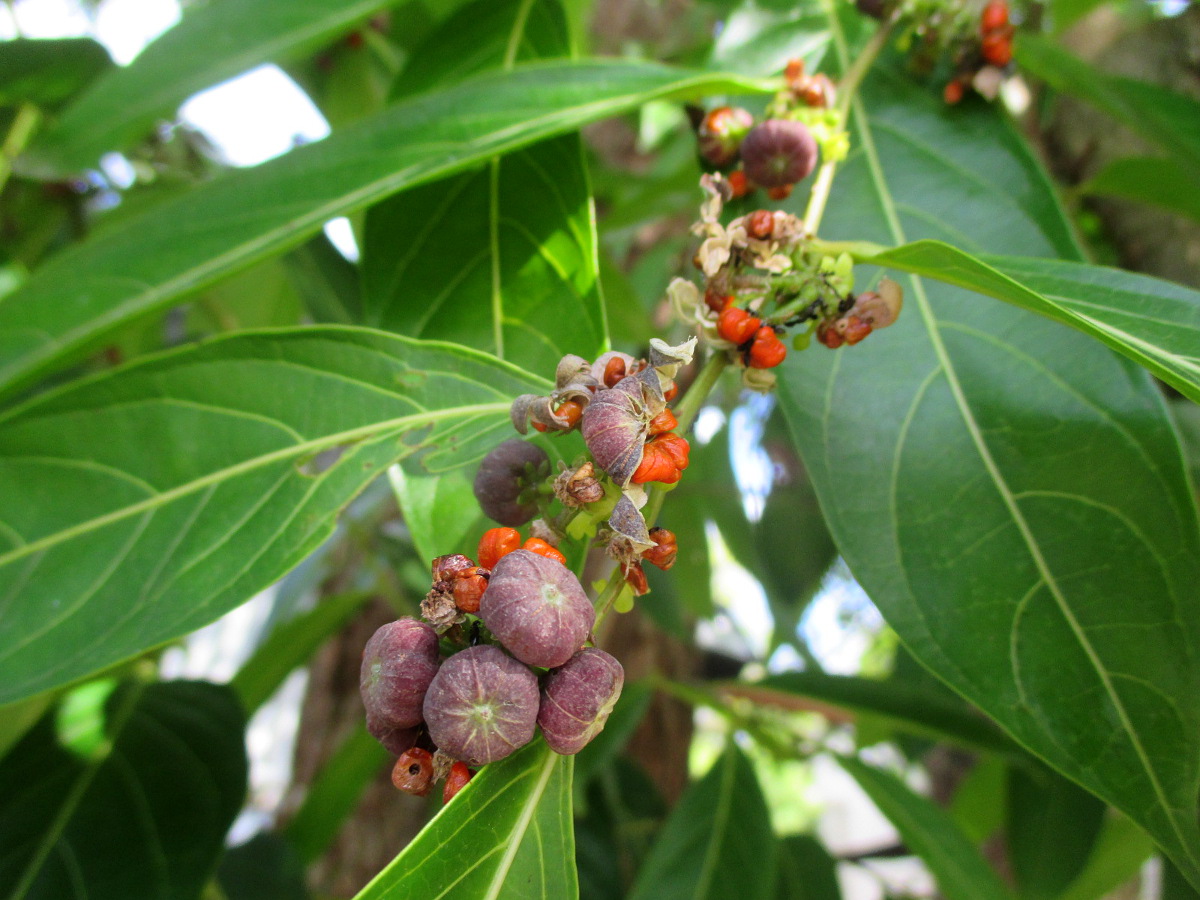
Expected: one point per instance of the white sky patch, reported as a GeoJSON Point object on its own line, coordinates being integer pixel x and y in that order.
{"type": "Point", "coordinates": [341, 235]}
{"type": "Point", "coordinates": [127, 26]}
{"type": "Point", "coordinates": [255, 116]}
{"type": "Point", "coordinates": [840, 624]}
{"type": "Point", "coordinates": [743, 627]}
{"type": "Point", "coordinates": [752, 467]}
{"type": "Point", "coordinates": [709, 421]}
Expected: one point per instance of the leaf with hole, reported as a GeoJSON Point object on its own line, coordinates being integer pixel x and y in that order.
{"type": "Point", "coordinates": [144, 503]}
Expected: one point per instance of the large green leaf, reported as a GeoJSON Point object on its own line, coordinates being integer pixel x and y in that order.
{"type": "Point", "coordinates": [144, 815]}
{"type": "Point", "coordinates": [182, 245]}
{"type": "Point", "coordinates": [506, 836]}
{"type": "Point", "coordinates": [211, 44]}
{"type": "Point", "coordinates": [1153, 322]}
{"type": "Point", "coordinates": [1159, 181]}
{"type": "Point", "coordinates": [505, 254]}
{"type": "Point", "coordinates": [142, 504]}
{"type": "Point", "coordinates": [806, 870]}
{"type": "Point", "coordinates": [930, 833]}
{"type": "Point", "coordinates": [895, 700]}
{"type": "Point", "coordinates": [47, 72]}
{"type": "Point", "coordinates": [1052, 828]}
{"type": "Point", "coordinates": [1010, 493]}
{"type": "Point", "coordinates": [1169, 119]}
{"type": "Point", "coordinates": [717, 842]}
{"type": "Point", "coordinates": [1120, 851]}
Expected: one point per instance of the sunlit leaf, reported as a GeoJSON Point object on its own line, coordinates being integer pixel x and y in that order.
{"type": "Point", "coordinates": [182, 245]}
{"type": "Point", "coordinates": [211, 44]}
{"type": "Point", "coordinates": [142, 504]}
{"type": "Point", "coordinates": [507, 835]}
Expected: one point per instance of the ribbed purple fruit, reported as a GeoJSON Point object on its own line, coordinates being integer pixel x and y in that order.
{"type": "Point", "coordinates": [778, 152]}
{"type": "Point", "coordinates": [537, 609]}
{"type": "Point", "coordinates": [577, 699]}
{"type": "Point", "coordinates": [503, 476]}
{"type": "Point", "coordinates": [482, 705]}
{"type": "Point", "coordinates": [398, 664]}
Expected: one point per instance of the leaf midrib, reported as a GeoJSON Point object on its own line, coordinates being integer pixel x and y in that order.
{"type": "Point", "coordinates": [522, 825]}
{"type": "Point", "coordinates": [976, 435]}
{"type": "Point", "coordinates": [310, 447]}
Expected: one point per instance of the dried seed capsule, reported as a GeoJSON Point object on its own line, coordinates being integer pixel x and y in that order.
{"type": "Point", "coordinates": [502, 477]}
{"type": "Point", "coordinates": [578, 698]}
{"type": "Point", "coordinates": [537, 609]}
{"type": "Point", "coordinates": [482, 705]}
{"type": "Point", "coordinates": [413, 772]}
{"type": "Point", "coordinates": [665, 549]}
{"type": "Point", "coordinates": [398, 664]}
{"type": "Point", "coordinates": [778, 153]}
{"type": "Point", "coordinates": [456, 781]}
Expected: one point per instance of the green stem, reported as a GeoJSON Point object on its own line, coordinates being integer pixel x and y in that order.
{"type": "Point", "coordinates": [685, 414]}
{"type": "Point", "coordinates": [22, 129]}
{"type": "Point", "coordinates": [847, 87]}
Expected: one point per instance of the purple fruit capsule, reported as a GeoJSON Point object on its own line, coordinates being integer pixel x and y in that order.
{"type": "Point", "coordinates": [398, 664]}
{"type": "Point", "coordinates": [537, 609]}
{"type": "Point", "coordinates": [482, 705]}
{"type": "Point", "coordinates": [577, 699]}
{"type": "Point", "coordinates": [778, 152]}
{"type": "Point", "coordinates": [503, 476]}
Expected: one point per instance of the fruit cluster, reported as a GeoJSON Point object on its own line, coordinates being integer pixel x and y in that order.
{"type": "Point", "coordinates": [474, 689]}
{"type": "Point", "coordinates": [762, 277]}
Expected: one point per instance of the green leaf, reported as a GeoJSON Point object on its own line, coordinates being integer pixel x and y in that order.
{"type": "Point", "coordinates": [897, 701]}
{"type": "Point", "coordinates": [806, 870]}
{"type": "Point", "coordinates": [717, 842]}
{"type": "Point", "coordinates": [1052, 828]}
{"type": "Point", "coordinates": [506, 253]}
{"type": "Point", "coordinates": [143, 817]}
{"type": "Point", "coordinates": [211, 44]}
{"type": "Point", "coordinates": [245, 215]}
{"type": "Point", "coordinates": [326, 281]}
{"type": "Point", "coordinates": [1155, 323]}
{"type": "Point", "coordinates": [334, 794]}
{"type": "Point", "coordinates": [440, 511]}
{"type": "Point", "coordinates": [263, 868]}
{"type": "Point", "coordinates": [1161, 182]}
{"type": "Point", "coordinates": [507, 835]}
{"type": "Point", "coordinates": [930, 833]}
{"type": "Point", "coordinates": [46, 72]}
{"type": "Point", "coordinates": [1117, 857]}
{"type": "Point", "coordinates": [757, 41]}
{"type": "Point", "coordinates": [980, 806]}
{"type": "Point", "coordinates": [144, 503]}
{"type": "Point", "coordinates": [290, 645]}
{"type": "Point", "coordinates": [1009, 493]}
{"type": "Point", "coordinates": [1164, 117]}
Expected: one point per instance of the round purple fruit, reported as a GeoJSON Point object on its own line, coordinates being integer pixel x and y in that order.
{"type": "Point", "coordinates": [537, 609]}
{"type": "Point", "coordinates": [482, 705]}
{"type": "Point", "coordinates": [398, 664]}
{"type": "Point", "coordinates": [778, 152]}
{"type": "Point", "coordinates": [577, 699]}
{"type": "Point", "coordinates": [502, 478]}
